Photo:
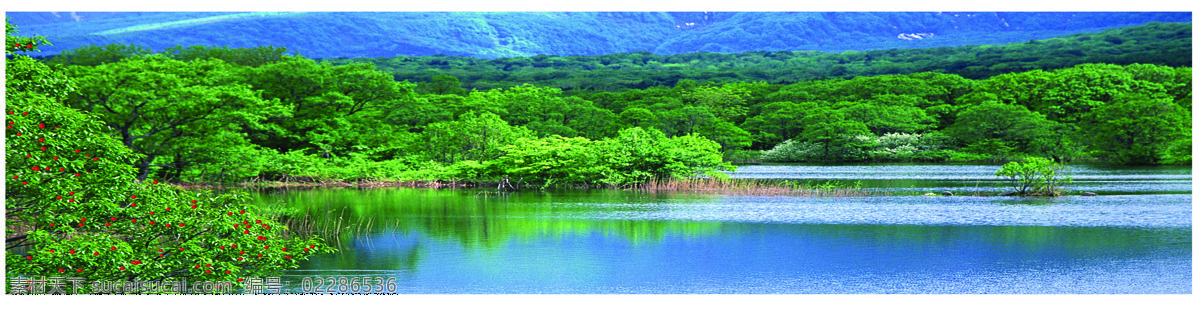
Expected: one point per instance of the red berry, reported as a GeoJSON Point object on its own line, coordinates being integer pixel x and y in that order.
{"type": "Point", "coordinates": [71, 200]}
{"type": "Point", "coordinates": [239, 259]}
{"type": "Point", "coordinates": [193, 201]}
{"type": "Point", "coordinates": [235, 246]}
{"type": "Point", "coordinates": [114, 218]}
{"type": "Point", "coordinates": [222, 247]}
{"type": "Point", "coordinates": [193, 206]}
{"type": "Point", "coordinates": [78, 270]}
{"type": "Point", "coordinates": [241, 252]}
{"type": "Point", "coordinates": [156, 182]}
{"type": "Point", "coordinates": [227, 272]}
{"type": "Point", "coordinates": [287, 257]}
{"type": "Point", "coordinates": [266, 247]}
{"type": "Point", "coordinates": [197, 265]}
{"type": "Point", "coordinates": [51, 250]}
{"type": "Point", "coordinates": [239, 279]}
{"type": "Point", "coordinates": [241, 211]}
{"type": "Point", "coordinates": [80, 219]}
{"type": "Point", "coordinates": [134, 220]}
{"type": "Point", "coordinates": [208, 271]}
{"type": "Point", "coordinates": [135, 205]}
{"type": "Point", "coordinates": [96, 253]}
{"type": "Point", "coordinates": [257, 221]}
{"type": "Point", "coordinates": [42, 140]}
{"type": "Point", "coordinates": [246, 232]}
{"type": "Point", "coordinates": [151, 222]}
{"type": "Point", "coordinates": [81, 224]}
{"type": "Point", "coordinates": [159, 250]}
{"type": "Point", "coordinates": [284, 249]}
{"type": "Point", "coordinates": [76, 150]}
{"type": "Point", "coordinates": [122, 267]}
{"type": "Point", "coordinates": [107, 224]}
{"type": "Point", "coordinates": [93, 159]}
{"type": "Point", "coordinates": [180, 249]}
{"type": "Point", "coordinates": [235, 225]}
{"type": "Point", "coordinates": [51, 224]}
{"type": "Point", "coordinates": [181, 225]}
{"type": "Point", "coordinates": [207, 265]}
{"type": "Point", "coordinates": [305, 249]}
{"type": "Point", "coordinates": [260, 255]}
{"type": "Point", "coordinates": [60, 270]}
{"type": "Point", "coordinates": [29, 257]}
{"type": "Point", "coordinates": [113, 248]}
{"type": "Point", "coordinates": [43, 148]}
{"type": "Point", "coordinates": [72, 251]}
{"type": "Point", "coordinates": [246, 222]}
{"type": "Point", "coordinates": [230, 213]}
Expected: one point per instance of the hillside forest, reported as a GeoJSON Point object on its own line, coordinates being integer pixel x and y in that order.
{"type": "Point", "coordinates": [219, 115]}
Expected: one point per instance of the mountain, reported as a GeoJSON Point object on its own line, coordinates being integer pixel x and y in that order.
{"type": "Point", "coordinates": [514, 34]}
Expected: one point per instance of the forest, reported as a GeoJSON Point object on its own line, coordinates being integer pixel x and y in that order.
{"type": "Point", "coordinates": [490, 35]}
{"type": "Point", "coordinates": [218, 114]}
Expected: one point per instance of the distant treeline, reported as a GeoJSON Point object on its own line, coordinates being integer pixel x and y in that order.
{"type": "Point", "coordinates": [1167, 44]}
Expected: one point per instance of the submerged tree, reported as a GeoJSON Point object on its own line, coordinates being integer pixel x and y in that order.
{"type": "Point", "coordinates": [1035, 176]}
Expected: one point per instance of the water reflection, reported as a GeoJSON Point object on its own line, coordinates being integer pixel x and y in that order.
{"type": "Point", "coordinates": [608, 241]}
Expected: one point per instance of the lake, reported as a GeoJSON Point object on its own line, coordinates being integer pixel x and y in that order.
{"type": "Point", "coordinates": [1134, 238]}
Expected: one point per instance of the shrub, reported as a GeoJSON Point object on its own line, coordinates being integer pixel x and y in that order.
{"type": "Point", "coordinates": [1035, 176]}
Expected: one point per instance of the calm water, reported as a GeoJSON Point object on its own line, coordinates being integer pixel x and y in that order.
{"type": "Point", "coordinates": [1134, 238]}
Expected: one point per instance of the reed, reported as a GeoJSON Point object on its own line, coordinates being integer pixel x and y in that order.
{"type": "Point", "coordinates": [763, 187]}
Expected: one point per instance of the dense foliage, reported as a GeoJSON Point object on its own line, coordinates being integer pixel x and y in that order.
{"type": "Point", "coordinates": [217, 114]}
{"type": "Point", "coordinates": [74, 209]}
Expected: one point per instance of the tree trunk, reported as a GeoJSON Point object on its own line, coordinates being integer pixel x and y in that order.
{"type": "Point", "coordinates": [144, 167]}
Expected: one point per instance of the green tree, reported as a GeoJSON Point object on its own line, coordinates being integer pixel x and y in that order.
{"type": "Point", "coordinates": [636, 117]}
{"type": "Point", "coordinates": [92, 55]}
{"type": "Point", "coordinates": [1035, 176]}
{"type": "Point", "coordinates": [73, 208]}
{"type": "Point", "coordinates": [477, 137]}
{"type": "Point", "coordinates": [832, 131]}
{"type": "Point", "coordinates": [442, 84]}
{"type": "Point", "coordinates": [1137, 129]}
{"type": "Point", "coordinates": [992, 127]}
{"type": "Point", "coordinates": [778, 121]}
{"type": "Point", "coordinates": [160, 107]}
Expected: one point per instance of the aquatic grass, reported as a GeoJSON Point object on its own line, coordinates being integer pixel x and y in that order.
{"type": "Point", "coordinates": [764, 187]}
